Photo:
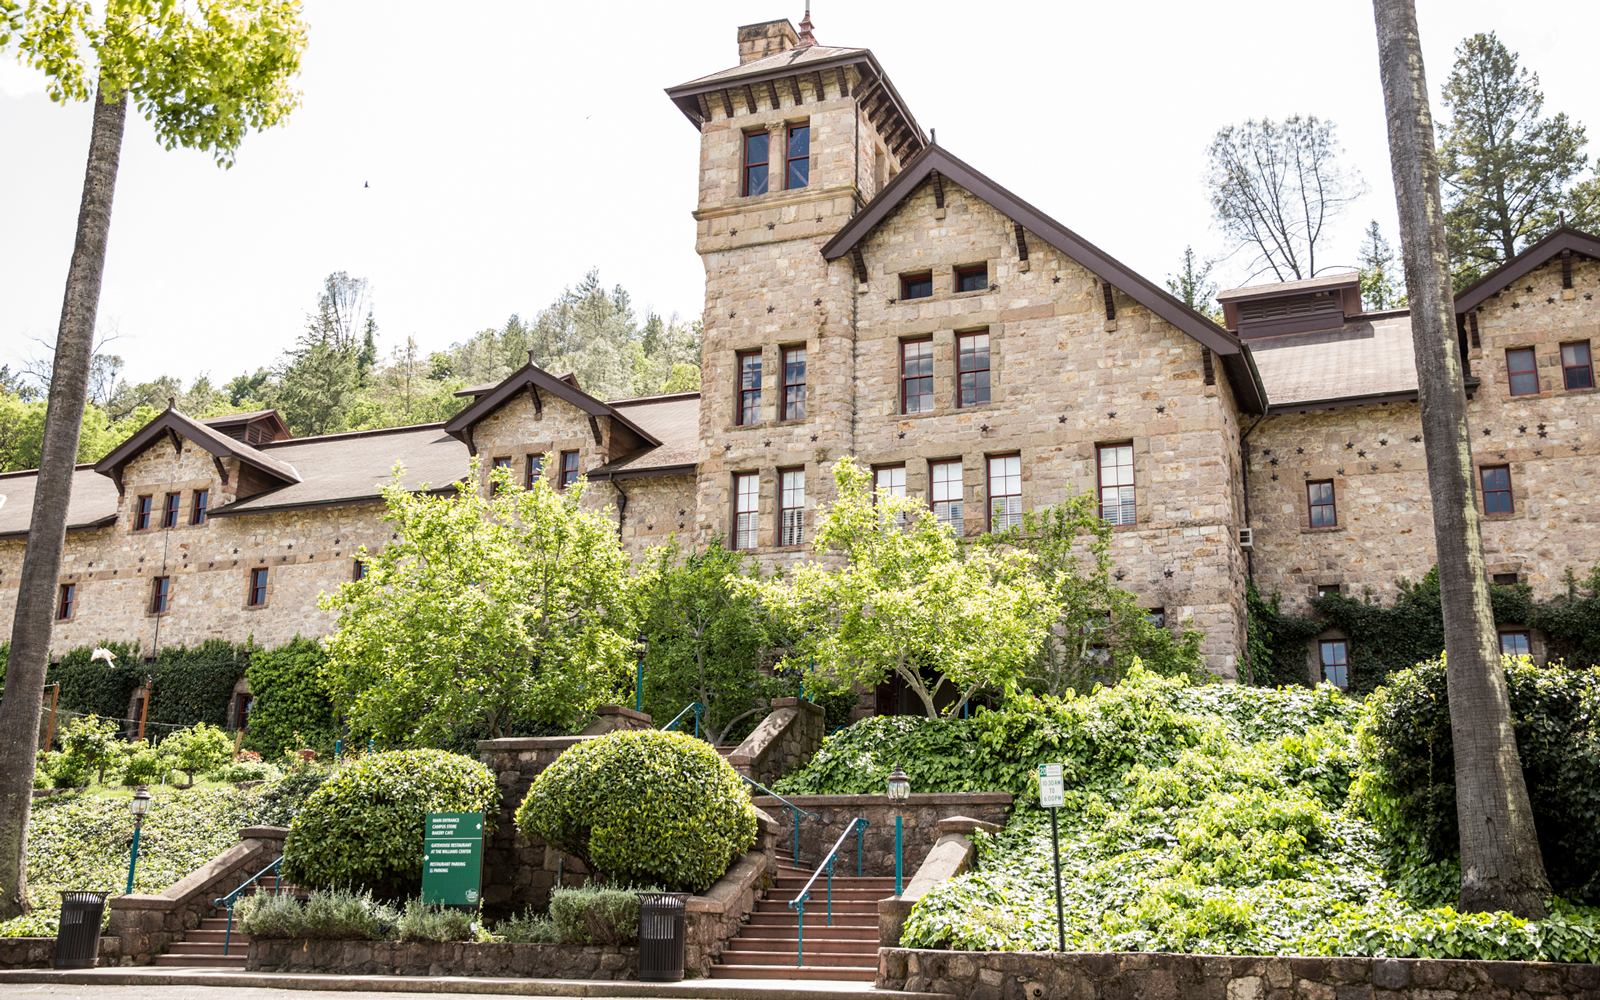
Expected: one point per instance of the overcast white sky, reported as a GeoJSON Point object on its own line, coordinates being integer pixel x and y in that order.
{"type": "Point", "coordinates": [509, 147]}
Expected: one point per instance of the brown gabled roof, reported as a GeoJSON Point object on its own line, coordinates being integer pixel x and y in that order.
{"type": "Point", "coordinates": [93, 503]}
{"type": "Point", "coordinates": [352, 467]}
{"type": "Point", "coordinates": [174, 421]}
{"type": "Point", "coordinates": [801, 61]}
{"type": "Point", "coordinates": [280, 430]}
{"type": "Point", "coordinates": [1282, 288]}
{"type": "Point", "coordinates": [1158, 300]}
{"type": "Point", "coordinates": [460, 426]}
{"type": "Point", "coordinates": [1369, 359]}
{"type": "Point", "coordinates": [1534, 257]}
{"type": "Point", "coordinates": [675, 420]}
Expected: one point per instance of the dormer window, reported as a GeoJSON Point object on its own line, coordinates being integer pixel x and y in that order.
{"type": "Point", "coordinates": [755, 161]}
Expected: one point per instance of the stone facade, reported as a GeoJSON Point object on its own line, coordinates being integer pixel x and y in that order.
{"type": "Point", "coordinates": [40, 952]}
{"type": "Point", "coordinates": [1031, 975]}
{"type": "Point", "coordinates": [783, 742]}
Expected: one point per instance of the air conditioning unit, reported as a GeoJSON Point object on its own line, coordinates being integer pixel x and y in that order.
{"type": "Point", "coordinates": [1247, 539]}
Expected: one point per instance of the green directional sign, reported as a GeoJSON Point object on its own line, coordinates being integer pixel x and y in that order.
{"type": "Point", "coordinates": [452, 858]}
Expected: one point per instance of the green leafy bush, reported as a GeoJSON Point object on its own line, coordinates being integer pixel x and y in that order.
{"type": "Point", "coordinates": [281, 800]}
{"type": "Point", "coordinates": [291, 703]}
{"type": "Point", "coordinates": [333, 914]}
{"type": "Point", "coordinates": [528, 928]}
{"type": "Point", "coordinates": [244, 771]}
{"type": "Point", "coordinates": [363, 827]}
{"type": "Point", "coordinates": [90, 743]}
{"type": "Point", "coordinates": [271, 915]}
{"type": "Point", "coordinates": [200, 747]}
{"type": "Point", "coordinates": [643, 806]}
{"type": "Point", "coordinates": [596, 914]}
{"type": "Point", "coordinates": [1410, 792]}
{"type": "Point", "coordinates": [95, 687]}
{"type": "Point", "coordinates": [422, 922]}
{"type": "Point", "coordinates": [145, 766]}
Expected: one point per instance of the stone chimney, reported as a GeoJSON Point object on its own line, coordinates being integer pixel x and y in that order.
{"type": "Point", "coordinates": [765, 39]}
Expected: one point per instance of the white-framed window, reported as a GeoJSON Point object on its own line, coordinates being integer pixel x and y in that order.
{"type": "Point", "coordinates": [792, 507]}
{"type": "Point", "coordinates": [947, 494]}
{"type": "Point", "coordinates": [1005, 491]}
{"type": "Point", "coordinates": [746, 509]}
{"type": "Point", "coordinates": [1116, 483]}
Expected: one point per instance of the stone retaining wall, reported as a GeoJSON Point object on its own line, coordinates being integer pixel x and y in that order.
{"type": "Point", "coordinates": [519, 873]}
{"type": "Point", "coordinates": [40, 952]}
{"type": "Point", "coordinates": [447, 958]}
{"type": "Point", "coordinates": [921, 814]}
{"type": "Point", "coordinates": [783, 742]}
{"type": "Point", "coordinates": [1013, 975]}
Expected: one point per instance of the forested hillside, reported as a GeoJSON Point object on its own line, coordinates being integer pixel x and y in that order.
{"type": "Point", "coordinates": [340, 373]}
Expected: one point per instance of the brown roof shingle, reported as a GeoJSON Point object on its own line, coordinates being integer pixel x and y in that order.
{"type": "Point", "coordinates": [1368, 356]}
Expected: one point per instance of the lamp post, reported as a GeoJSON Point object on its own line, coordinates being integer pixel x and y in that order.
{"type": "Point", "coordinates": [138, 805]}
{"type": "Point", "coordinates": [899, 791]}
{"type": "Point", "coordinates": [638, 676]}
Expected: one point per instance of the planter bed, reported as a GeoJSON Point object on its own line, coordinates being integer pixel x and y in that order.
{"type": "Point", "coordinates": [40, 952]}
{"type": "Point", "coordinates": [445, 958]}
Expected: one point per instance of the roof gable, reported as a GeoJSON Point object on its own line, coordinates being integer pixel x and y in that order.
{"type": "Point", "coordinates": [174, 423]}
{"type": "Point", "coordinates": [1108, 268]}
{"type": "Point", "coordinates": [1531, 259]}
{"type": "Point", "coordinates": [531, 376]}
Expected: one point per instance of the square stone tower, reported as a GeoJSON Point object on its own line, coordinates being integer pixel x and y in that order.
{"type": "Point", "coordinates": [794, 140]}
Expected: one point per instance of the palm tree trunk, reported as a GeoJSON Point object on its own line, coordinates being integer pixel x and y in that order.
{"type": "Point", "coordinates": [47, 531]}
{"type": "Point", "coordinates": [1501, 867]}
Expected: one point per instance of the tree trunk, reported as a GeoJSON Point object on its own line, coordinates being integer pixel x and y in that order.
{"type": "Point", "coordinates": [1501, 867]}
{"type": "Point", "coordinates": [47, 532]}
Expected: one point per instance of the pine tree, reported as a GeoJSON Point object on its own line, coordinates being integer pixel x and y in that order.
{"type": "Point", "coordinates": [1192, 287]}
{"type": "Point", "coordinates": [1378, 288]}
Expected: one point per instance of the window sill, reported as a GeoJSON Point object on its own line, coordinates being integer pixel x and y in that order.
{"type": "Point", "coordinates": [1324, 530]}
{"type": "Point", "coordinates": [256, 607]}
{"type": "Point", "coordinates": [1513, 516]}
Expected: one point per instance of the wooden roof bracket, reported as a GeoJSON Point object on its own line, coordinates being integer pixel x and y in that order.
{"type": "Point", "coordinates": [177, 442]}
{"type": "Point", "coordinates": [1206, 365]}
{"type": "Point", "coordinates": [772, 92]}
{"type": "Point", "coordinates": [749, 99]}
{"type": "Point", "coordinates": [727, 102]}
{"type": "Point", "coordinates": [538, 404]}
{"type": "Point", "coordinates": [116, 477]}
{"type": "Point", "coordinates": [858, 264]}
{"type": "Point", "coordinates": [594, 425]}
{"type": "Point", "coordinates": [1111, 319]}
{"type": "Point", "coordinates": [822, 93]}
{"type": "Point", "coordinates": [222, 472]}
{"type": "Point", "coordinates": [1022, 246]}
{"type": "Point", "coordinates": [472, 448]}
{"type": "Point", "coordinates": [938, 191]}
{"type": "Point", "coordinates": [1472, 326]}
{"type": "Point", "coordinates": [1566, 268]}
{"type": "Point", "coordinates": [844, 81]}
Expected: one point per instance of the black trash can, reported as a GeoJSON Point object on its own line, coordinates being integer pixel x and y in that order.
{"type": "Point", "coordinates": [78, 937]}
{"type": "Point", "coordinates": [661, 927]}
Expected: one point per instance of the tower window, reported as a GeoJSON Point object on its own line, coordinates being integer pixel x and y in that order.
{"type": "Point", "coordinates": [141, 513]}
{"type": "Point", "coordinates": [916, 286]}
{"type": "Point", "coordinates": [746, 509]}
{"type": "Point", "coordinates": [169, 510]}
{"type": "Point", "coordinates": [535, 468]}
{"type": "Point", "coordinates": [1496, 489]}
{"type": "Point", "coordinates": [794, 383]}
{"type": "Point", "coordinates": [569, 468]}
{"type": "Point", "coordinates": [890, 479]}
{"type": "Point", "coordinates": [947, 495]}
{"type": "Point", "coordinates": [202, 501]}
{"type": "Point", "coordinates": [1319, 496]}
{"type": "Point", "coordinates": [1005, 491]}
{"type": "Point", "coordinates": [359, 571]}
{"type": "Point", "coordinates": [1116, 483]}
{"type": "Point", "coordinates": [799, 157]}
{"type": "Point", "coordinates": [755, 162]}
{"type": "Point", "coordinates": [1515, 644]}
{"type": "Point", "coordinates": [69, 599]}
{"type": "Point", "coordinates": [972, 279]}
{"type": "Point", "coordinates": [1336, 663]}
{"type": "Point", "coordinates": [1576, 371]}
{"type": "Point", "coordinates": [749, 388]}
{"type": "Point", "coordinates": [160, 589]}
{"type": "Point", "coordinates": [916, 375]}
{"type": "Point", "coordinates": [791, 506]}
{"type": "Point", "coordinates": [972, 367]}
{"type": "Point", "coordinates": [258, 588]}
{"type": "Point", "coordinates": [1523, 375]}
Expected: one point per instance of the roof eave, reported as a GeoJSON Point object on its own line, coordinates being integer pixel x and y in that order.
{"type": "Point", "coordinates": [459, 426]}
{"type": "Point", "coordinates": [1534, 257]}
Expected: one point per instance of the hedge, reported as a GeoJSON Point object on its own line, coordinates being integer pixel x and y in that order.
{"type": "Point", "coordinates": [289, 698]}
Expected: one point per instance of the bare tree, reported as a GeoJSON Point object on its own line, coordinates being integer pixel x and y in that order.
{"type": "Point", "coordinates": [1276, 187]}
{"type": "Point", "coordinates": [1501, 867]}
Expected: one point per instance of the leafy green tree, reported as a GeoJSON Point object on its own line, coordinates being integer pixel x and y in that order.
{"type": "Point", "coordinates": [1192, 285]}
{"type": "Point", "coordinates": [90, 741]}
{"type": "Point", "coordinates": [909, 601]}
{"type": "Point", "coordinates": [203, 75]}
{"type": "Point", "coordinates": [1379, 275]}
{"type": "Point", "coordinates": [1506, 166]}
{"type": "Point", "coordinates": [1100, 629]}
{"type": "Point", "coordinates": [707, 636]}
{"type": "Point", "coordinates": [503, 609]}
{"type": "Point", "coordinates": [200, 747]}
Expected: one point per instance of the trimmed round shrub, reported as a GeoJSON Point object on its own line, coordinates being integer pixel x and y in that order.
{"type": "Point", "coordinates": [362, 828]}
{"type": "Point", "coordinates": [641, 807]}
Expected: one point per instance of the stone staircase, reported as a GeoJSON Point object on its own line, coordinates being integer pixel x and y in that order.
{"type": "Point", "coordinates": [845, 951]}
{"type": "Point", "coordinates": [201, 948]}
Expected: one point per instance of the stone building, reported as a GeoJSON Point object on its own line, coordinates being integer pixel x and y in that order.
{"type": "Point", "coordinates": [869, 293]}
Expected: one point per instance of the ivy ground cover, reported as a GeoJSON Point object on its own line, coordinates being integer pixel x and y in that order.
{"type": "Point", "coordinates": [1213, 819]}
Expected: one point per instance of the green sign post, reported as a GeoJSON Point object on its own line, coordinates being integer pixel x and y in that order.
{"type": "Point", "coordinates": [452, 858]}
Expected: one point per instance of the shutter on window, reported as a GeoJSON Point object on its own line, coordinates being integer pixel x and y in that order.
{"type": "Point", "coordinates": [793, 526]}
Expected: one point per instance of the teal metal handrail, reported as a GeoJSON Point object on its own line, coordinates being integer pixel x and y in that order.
{"type": "Point", "coordinates": [699, 711]}
{"type": "Point", "coordinates": [796, 810]}
{"type": "Point", "coordinates": [858, 826]}
{"type": "Point", "coordinates": [230, 897]}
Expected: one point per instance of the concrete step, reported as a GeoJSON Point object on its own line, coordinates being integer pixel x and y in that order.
{"type": "Point", "coordinates": [785, 878]}
{"type": "Point", "coordinates": [230, 961]}
{"type": "Point", "coordinates": [862, 931]}
{"type": "Point", "coordinates": [813, 918]}
{"type": "Point", "coordinates": [187, 947]}
{"type": "Point", "coordinates": [815, 905]}
{"type": "Point", "coordinates": [838, 973]}
{"type": "Point", "coordinates": [820, 892]}
{"type": "Point", "coordinates": [738, 950]}
{"type": "Point", "coordinates": [218, 935]}
{"type": "Point", "coordinates": [817, 958]}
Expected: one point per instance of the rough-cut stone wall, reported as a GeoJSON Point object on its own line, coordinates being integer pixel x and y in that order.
{"type": "Point", "coordinates": [444, 958]}
{"type": "Point", "coordinates": [920, 825]}
{"type": "Point", "coordinates": [1379, 470]}
{"type": "Point", "coordinates": [523, 433]}
{"type": "Point", "coordinates": [658, 507]}
{"type": "Point", "coordinates": [519, 873]}
{"type": "Point", "coordinates": [40, 952]}
{"type": "Point", "coordinates": [1032, 975]}
{"type": "Point", "coordinates": [305, 552]}
{"type": "Point", "coordinates": [784, 741]}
